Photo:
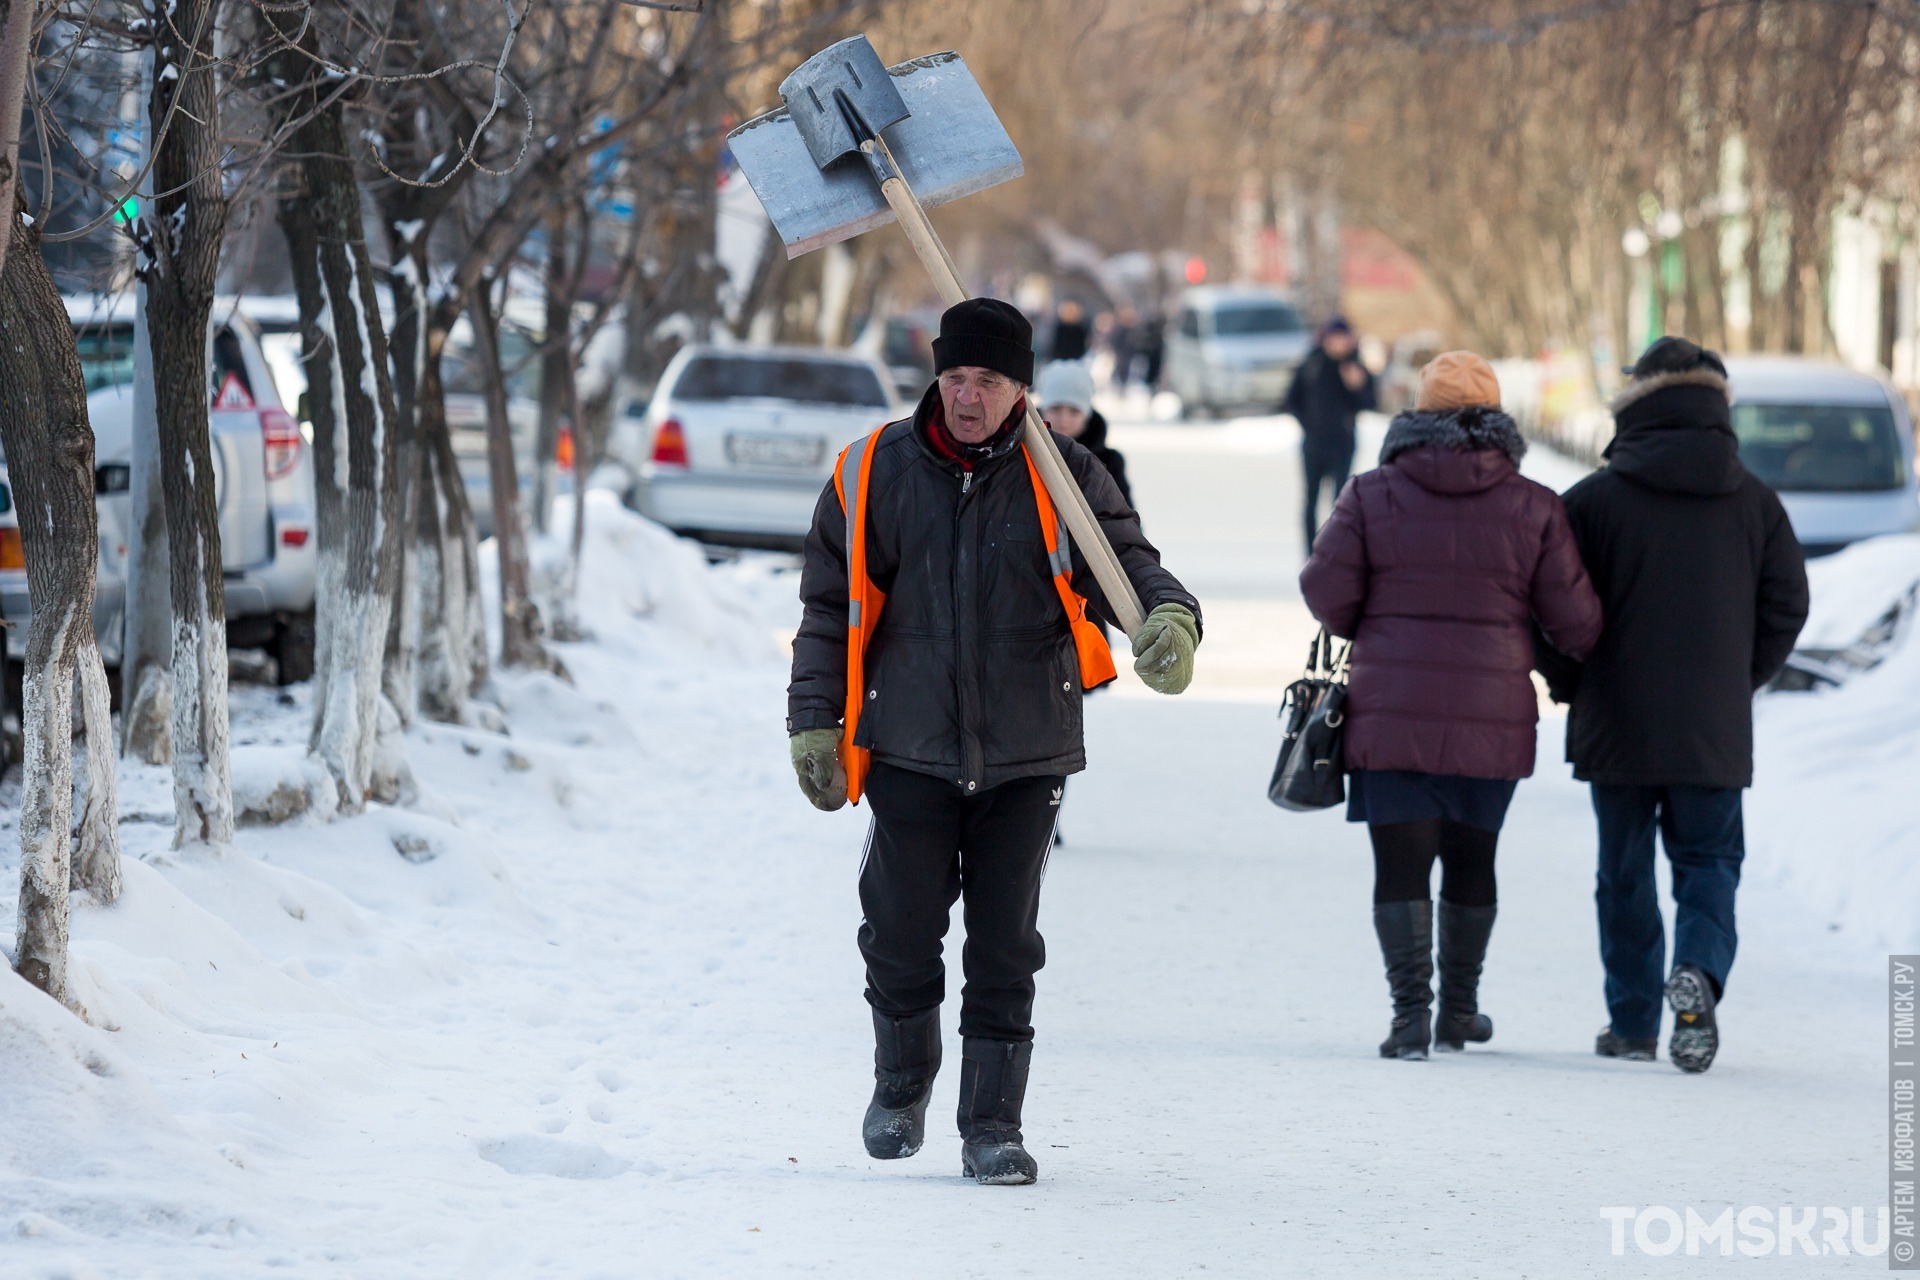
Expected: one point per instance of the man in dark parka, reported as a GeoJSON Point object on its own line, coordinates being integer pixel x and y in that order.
{"type": "Point", "coordinates": [1704, 591]}
{"type": "Point", "coordinates": [1328, 392]}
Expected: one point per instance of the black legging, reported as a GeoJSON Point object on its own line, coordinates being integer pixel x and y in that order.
{"type": "Point", "coordinates": [1403, 854]}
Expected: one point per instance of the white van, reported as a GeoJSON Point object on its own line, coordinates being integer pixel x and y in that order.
{"type": "Point", "coordinates": [1836, 444]}
{"type": "Point", "coordinates": [1233, 347]}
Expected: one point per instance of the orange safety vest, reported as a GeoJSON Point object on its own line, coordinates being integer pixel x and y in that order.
{"type": "Point", "coordinates": [865, 600]}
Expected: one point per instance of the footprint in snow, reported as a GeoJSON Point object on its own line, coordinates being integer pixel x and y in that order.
{"type": "Point", "coordinates": [537, 1156]}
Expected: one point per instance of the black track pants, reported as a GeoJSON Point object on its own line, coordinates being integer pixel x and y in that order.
{"type": "Point", "coordinates": [931, 843]}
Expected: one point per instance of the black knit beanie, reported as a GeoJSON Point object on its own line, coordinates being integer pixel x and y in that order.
{"type": "Point", "coordinates": [988, 334]}
{"type": "Point", "coordinates": [1675, 355]}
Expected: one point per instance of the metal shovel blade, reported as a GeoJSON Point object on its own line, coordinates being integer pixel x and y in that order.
{"type": "Point", "coordinates": [840, 97]}
{"type": "Point", "coordinates": [951, 144]}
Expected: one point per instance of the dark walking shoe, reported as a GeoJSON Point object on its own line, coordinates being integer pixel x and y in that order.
{"type": "Point", "coordinates": [1610, 1045]}
{"type": "Point", "coordinates": [1454, 1031]}
{"type": "Point", "coordinates": [1409, 1037]}
{"type": "Point", "coordinates": [1405, 930]}
{"type": "Point", "coordinates": [1463, 935]}
{"type": "Point", "coordinates": [993, 1087]}
{"type": "Point", "coordinates": [906, 1057]}
{"type": "Point", "coordinates": [1696, 1035]}
{"type": "Point", "coordinates": [999, 1164]}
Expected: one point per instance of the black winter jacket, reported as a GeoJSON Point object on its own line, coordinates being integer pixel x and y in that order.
{"type": "Point", "coordinates": [1325, 406]}
{"type": "Point", "coordinates": [1094, 440]}
{"type": "Point", "coordinates": [971, 674]}
{"type": "Point", "coordinates": [1703, 588]}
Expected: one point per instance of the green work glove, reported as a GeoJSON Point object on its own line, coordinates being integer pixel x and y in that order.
{"type": "Point", "coordinates": [1163, 648]}
{"type": "Point", "coordinates": [816, 759]}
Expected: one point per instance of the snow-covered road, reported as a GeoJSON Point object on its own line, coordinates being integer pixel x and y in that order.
{"type": "Point", "coordinates": [606, 1019]}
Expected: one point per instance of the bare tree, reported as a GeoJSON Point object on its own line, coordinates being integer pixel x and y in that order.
{"type": "Point", "coordinates": [350, 400]}
{"type": "Point", "coordinates": [49, 449]}
{"type": "Point", "coordinates": [179, 237]}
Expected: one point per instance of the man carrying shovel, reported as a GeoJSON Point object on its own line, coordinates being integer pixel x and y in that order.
{"type": "Point", "coordinates": [939, 668]}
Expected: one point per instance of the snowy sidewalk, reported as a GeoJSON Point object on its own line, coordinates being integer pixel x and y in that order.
{"type": "Point", "coordinates": [610, 1024]}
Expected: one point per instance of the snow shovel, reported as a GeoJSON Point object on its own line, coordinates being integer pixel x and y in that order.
{"type": "Point", "coordinates": [927, 135]}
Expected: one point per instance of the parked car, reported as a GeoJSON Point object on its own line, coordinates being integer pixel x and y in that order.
{"type": "Point", "coordinates": [1838, 446]}
{"type": "Point", "coordinates": [738, 441]}
{"type": "Point", "coordinates": [1233, 347]}
{"type": "Point", "coordinates": [279, 322]}
{"type": "Point", "coordinates": [263, 482]}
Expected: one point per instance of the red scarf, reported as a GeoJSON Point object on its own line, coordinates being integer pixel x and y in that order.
{"type": "Point", "coordinates": [948, 446]}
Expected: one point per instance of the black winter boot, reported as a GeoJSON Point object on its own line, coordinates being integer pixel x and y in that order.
{"type": "Point", "coordinates": [906, 1056]}
{"type": "Point", "coordinates": [1463, 938]}
{"type": "Point", "coordinates": [993, 1084]}
{"type": "Point", "coordinates": [1696, 1032]}
{"type": "Point", "coordinates": [1406, 942]}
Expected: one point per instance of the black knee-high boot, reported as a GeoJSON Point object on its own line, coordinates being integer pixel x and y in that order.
{"type": "Point", "coordinates": [993, 1085]}
{"type": "Point", "coordinates": [1464, 932]}
{"type": "Point", "coordinates": [1406, 944]}
{"type": "Point", "coordinates": [906, 1057]}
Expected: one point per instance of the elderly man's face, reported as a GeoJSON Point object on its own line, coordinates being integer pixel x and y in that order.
{"type": "Point", "coordinates": [977, 401]}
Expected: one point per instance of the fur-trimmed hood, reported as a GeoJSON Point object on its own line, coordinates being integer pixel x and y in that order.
{"type": "Point", "coordinates": [1466, 430]}
{"type": "Point", "coordinates": [1640, 388]}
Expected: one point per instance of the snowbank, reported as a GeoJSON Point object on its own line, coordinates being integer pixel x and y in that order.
{"type": "Point", "coordinates": [1835, 812]}
{"type": "Point", "coordinates": [645, 593]}
{"type": "Point", "coordinates": [1854, 589]}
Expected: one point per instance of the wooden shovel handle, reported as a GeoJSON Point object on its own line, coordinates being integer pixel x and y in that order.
{"type": "Point", "coordinates": [1068, 500]}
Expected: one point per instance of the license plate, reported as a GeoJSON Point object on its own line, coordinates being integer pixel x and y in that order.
{"type": "Point", "coordinates": [775, 451]}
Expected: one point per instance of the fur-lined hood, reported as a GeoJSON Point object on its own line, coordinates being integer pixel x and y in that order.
{"type": "Point", "coordinates": [1640, 388]}
{"type": "Point", "coordinates": [1466, 430]}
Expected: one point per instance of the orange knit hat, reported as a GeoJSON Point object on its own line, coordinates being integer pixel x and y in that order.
{"type": "Point", "coordinates": [1458, 380]}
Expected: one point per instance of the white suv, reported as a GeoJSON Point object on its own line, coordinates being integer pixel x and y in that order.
{"type": "Point", "coordinates": [263, 477]}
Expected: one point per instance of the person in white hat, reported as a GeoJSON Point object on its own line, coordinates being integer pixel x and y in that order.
{"type": "Point", "coordinates": [1065, 393]}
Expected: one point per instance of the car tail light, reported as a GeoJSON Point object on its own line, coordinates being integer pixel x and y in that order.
{"type": "Point", "coordinates": [670, 445]}
{"type": "Point", "coordinates": [564, 454]}
{"type": "Point", "coordinates": [283, 440]}
{"type": "Point", "coordinates": [12, 555]}
{"type": "Point", "coordinates": [293, 537]}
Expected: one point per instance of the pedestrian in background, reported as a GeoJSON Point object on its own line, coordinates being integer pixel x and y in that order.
{"type": "Point", "coordinates": [1124, 343]}
{"type": "Point", "coordinates": [1153, 350]}
{"type": "Point", "coordinates": [1065, 393]}
{"type": "Point", "coordinates": [1329, 390]}
{"type": "Point", "coordinates": [1435, 565]}
{"type": "Point", "coordinates": [1072, 335]}
{"type": "Point", "coordinates": [1705, 590]}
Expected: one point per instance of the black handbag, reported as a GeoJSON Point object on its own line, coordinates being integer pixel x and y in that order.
{"type": "Point", "coordinates": [1311, 772]}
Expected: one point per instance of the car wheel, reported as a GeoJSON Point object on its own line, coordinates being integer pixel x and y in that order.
{"type": "Point", "coordinates": [292, 648]}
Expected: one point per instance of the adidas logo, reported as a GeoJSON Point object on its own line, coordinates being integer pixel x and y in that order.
{"type": "Point", "coordinates": [1057, 793]}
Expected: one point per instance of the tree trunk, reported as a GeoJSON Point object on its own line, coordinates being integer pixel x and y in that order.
{"type": "Point", "coordinates": [350, 400]}
{"type": "Point", "coordinates": [452, 658]}
{"type": "Point", "coordinates": [16, 56]}
{"type": "Point", "coordinates": [49, 448]}
{"type": "Point", "coordinates": [180, 239]}
{"type": "Point", "coordinates": [520, 627]}
{"type": "Point", "coordinates": [407, 282]}
{"type": "Point", "coordinates": [146, 654]}
{"type": "Point", "coordinates": [556, 367]}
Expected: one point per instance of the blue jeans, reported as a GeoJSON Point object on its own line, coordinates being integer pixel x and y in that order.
{"type": "Point", "coordinates": [1705, 841]}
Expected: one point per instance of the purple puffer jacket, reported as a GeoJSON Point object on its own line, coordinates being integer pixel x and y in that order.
{"type": "Point", "coordinates": [1433, 565]}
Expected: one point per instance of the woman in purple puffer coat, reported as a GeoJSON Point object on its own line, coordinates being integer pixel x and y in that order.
{"type": "Point", "coordinates": [1437, 565]}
